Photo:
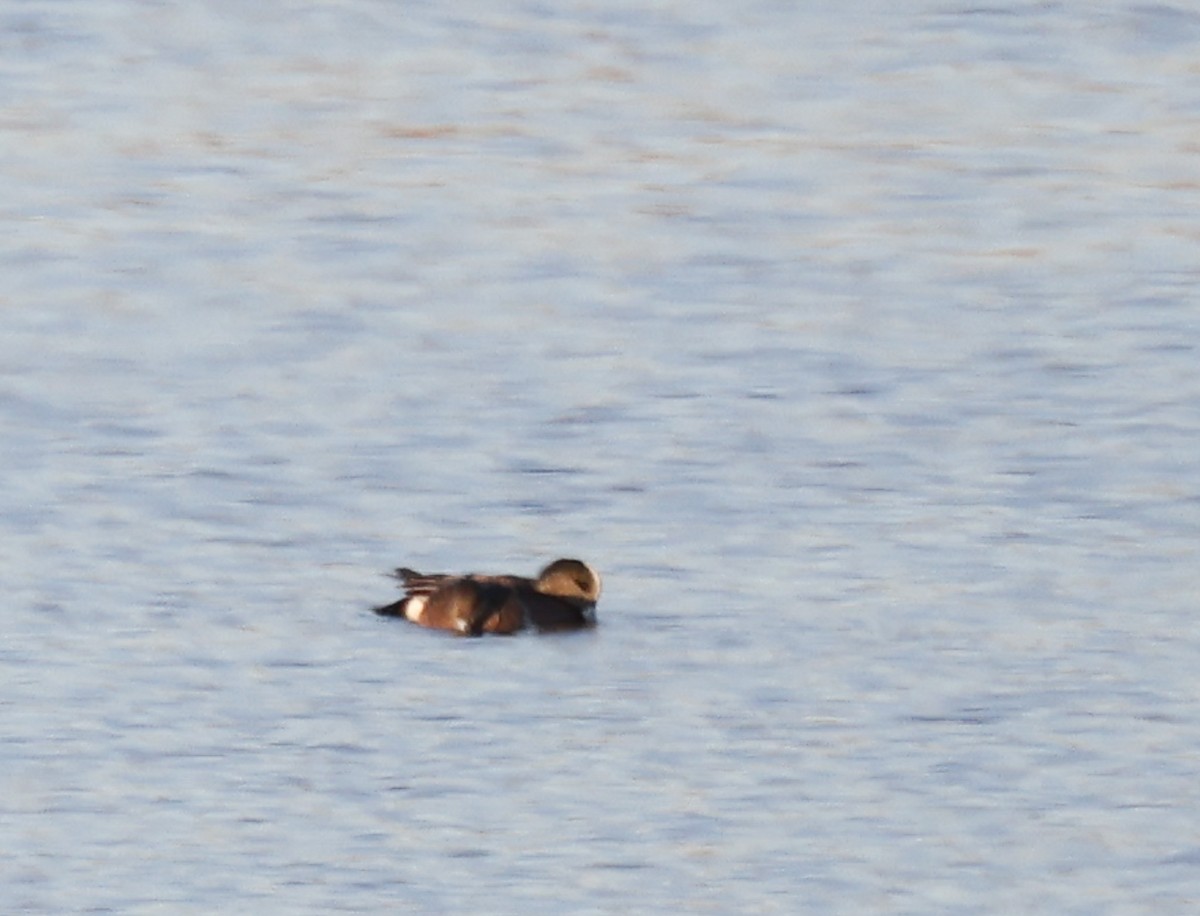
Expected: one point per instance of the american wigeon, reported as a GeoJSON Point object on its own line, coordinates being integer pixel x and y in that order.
{"type": "Point", "coordinates": [562, 597]}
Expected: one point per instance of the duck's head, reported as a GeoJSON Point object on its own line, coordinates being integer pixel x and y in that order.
{"type": "Point", "coordinates": [570, 579]}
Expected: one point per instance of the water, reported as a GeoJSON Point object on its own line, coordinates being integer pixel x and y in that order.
{"type": "Point", "coordinates": [854, 345]}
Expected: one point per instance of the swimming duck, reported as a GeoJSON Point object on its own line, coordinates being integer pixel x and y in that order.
{"type": "Point", "coordinates": [562, 597]}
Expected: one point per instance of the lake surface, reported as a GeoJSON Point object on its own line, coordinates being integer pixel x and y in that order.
{"type": "Point", "coordinates": [854, 344]}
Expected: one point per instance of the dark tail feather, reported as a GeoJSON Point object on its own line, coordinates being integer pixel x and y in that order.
{"type": "Point", "coordinates": [395, 609]}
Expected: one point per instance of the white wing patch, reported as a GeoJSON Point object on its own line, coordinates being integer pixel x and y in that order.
{"type": "Point", "coordinates": [413, 608]}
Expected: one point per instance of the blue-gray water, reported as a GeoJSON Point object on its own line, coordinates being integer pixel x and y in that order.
{"type": "Point", "coordinates": [855, 344]}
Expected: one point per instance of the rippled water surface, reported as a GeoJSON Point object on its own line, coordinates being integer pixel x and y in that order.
{"type": "Point", "coordinates": [855, 344]}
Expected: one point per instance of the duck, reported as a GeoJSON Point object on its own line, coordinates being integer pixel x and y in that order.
{"type": "Point", "coordinates": [562, 596]}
